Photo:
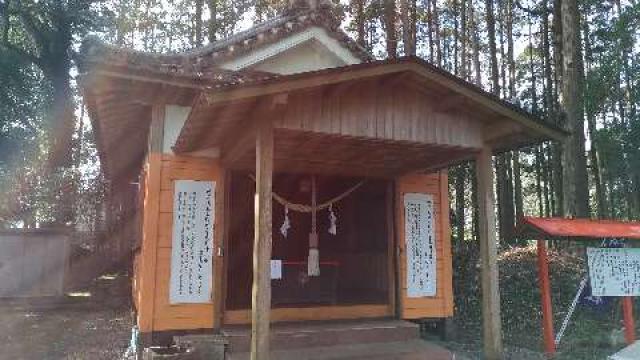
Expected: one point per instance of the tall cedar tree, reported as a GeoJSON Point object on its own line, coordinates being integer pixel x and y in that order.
{"type": "Point", "coordinates": [575, 183]}
{"type": "Point", "coordinates": [389, 16]}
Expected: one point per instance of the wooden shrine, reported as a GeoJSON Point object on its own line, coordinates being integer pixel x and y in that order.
{"type": "Point", "coordinates": [292, 125]}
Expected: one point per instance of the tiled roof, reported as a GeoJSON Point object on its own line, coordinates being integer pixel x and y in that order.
{"type": "Point", "coordinates": [203, 64]}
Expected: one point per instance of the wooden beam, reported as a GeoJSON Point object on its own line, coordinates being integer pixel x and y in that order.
{"type": "Point", "coordinates": [241, 139]}
{"type": "Point", "coordinates": [156, 129]}
{"type": "Point", "coordinates": [148, 255]}
{"type": "Point", "coordinates": [391, 245]}
{"type": "Point", "coordinates": [445, 224]}
{"type": "Point", "coordinates": [221, 232]}
{"type": "Point", "coordinates": [491, 321]}
{"type": "Point", "coordinates": [261, 294]}
{"type": "Point", "coordinates": [298, 82]}
{"type": "Point", "coordinates": [226, 235]}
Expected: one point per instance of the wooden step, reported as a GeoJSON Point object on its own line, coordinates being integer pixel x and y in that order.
{"type": "Point", "coordinates": [399, 350]}
{"type": "Point", "coordinates": [315, 334]}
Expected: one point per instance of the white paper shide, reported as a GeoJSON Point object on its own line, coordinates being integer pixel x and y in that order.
{"type": "Point", "coordinates": [614, 271]}
{"type": "Point", "coordinates": [192, 243]}
{"type": "Point", "coordinates": [420, 245]}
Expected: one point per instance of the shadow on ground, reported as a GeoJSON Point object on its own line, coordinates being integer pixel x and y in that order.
{"type": "Point", "coordinates": [95, 323]}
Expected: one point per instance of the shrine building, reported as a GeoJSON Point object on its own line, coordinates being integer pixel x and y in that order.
{"type": "Point", "coordinates": [285, 175]}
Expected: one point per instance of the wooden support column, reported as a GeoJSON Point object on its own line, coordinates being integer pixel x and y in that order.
{"type": "Point", "coordinates": [545, 294]}
{"type": "Point", "coordinates": [491, 321]}
{"type": "Point", "coordinates": [261, 294]}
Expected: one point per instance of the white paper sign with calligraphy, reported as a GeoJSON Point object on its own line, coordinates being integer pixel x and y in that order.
{"type": "Point", "coordinates": [192, 243]}
{"type": "Point", "coordinates": [614, 271]}
{"type": "Point", "coordinates": [420, 244]}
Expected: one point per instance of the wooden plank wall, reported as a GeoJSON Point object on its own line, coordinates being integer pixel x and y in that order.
{"type": "Point", "coordinates": [154, 261]}
{"type": "Point", "coordinates": [441, 305]}
{"type": "Point", "coordinates": [390, 113]}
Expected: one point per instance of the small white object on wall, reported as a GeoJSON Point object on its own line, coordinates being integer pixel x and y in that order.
{"type": "Point", "coordinates": [614, 271]}
{"type": "Point", "coordinates": [192, 242]}
{"type": "Point", "coordinates": [276, 269]}
{"type": "Point", "coordinates": [420, 242]}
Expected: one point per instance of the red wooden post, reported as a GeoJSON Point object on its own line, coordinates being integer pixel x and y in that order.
{"type": "Point", "coordinates": [629, 326]}
{"type": "Point", "coordinates": [545, 293]}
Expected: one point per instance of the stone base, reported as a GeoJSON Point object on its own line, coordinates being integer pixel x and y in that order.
{"type": "Point", "coordinates": [206, 347]}
{"type": "Point", "coordinates": [169, 353]}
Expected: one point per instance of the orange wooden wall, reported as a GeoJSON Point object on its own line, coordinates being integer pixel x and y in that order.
{"type": "Point", "coordinates": [152, 264]}
{"type": "Point", "coordinates": [152, 261]}
{"type": "Point", "coordinates": [442, 304]}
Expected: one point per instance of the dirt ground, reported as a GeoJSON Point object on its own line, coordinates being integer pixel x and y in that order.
{"type": "Point", "coordinates": [81, 327]}
{"type": "Point", "coordinates": [96, 323]}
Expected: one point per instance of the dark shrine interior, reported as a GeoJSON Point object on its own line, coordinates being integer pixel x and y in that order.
{"type": "Point", "coordinates": [354, 266]}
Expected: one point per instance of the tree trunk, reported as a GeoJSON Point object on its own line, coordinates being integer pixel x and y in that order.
{"type": "Point", "coordinates": [491, 29]}
{"type": "Point", "coordinates": [430, 32]}
{"type": "Point", "coordinates": [459, 188]}
{"type": "Point", "coordinates": [408, 26]}
{"type": "Point", "coordinates": [557, 54]}
{"type": "Point", "coordinates": [360, 20]}
{"type": "Point", "coordinates": [548, 102]}
{"type": "Point", "coordinates": [601, 202]}
{"type": "Point", "coordinates": [575, 183]}
{"type": "Point", "coordinates": [390, 28]}
{"type": "Point", "coordinates": [456, 37]}
{"type": "Point", "coordinates": [538, 169]}
{"type": "Point", "coordinates": [510, 51]}
{"type": "Point", "coordinates": [547, 178]}
{"type": "Point", "coordinates": [463, 40]}
{"type": "Point", "coordinates": [504, 190]}
{"type": "Point", "coordinates": [56, 67]}
{"type": "Point", "coordinates": [501, 44]}
{"type": "Point", "coordinates": [517, 185]}
{"type": "Point", "coordinates": [436, 24]}
{"type": "Point", "coordinates": [476, 48]}
{"type": "Point", "coordinates": [198, 23]}
{"type": "Point", "coordinates": [213, 20]}
{"type": "Point", "coordinates": [601, 205]}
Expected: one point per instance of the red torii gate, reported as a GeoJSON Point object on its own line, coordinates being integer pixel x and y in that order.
{"type": "Point", "coordinates": [542, 229]}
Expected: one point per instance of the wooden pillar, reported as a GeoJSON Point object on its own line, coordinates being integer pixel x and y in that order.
{"type": "Point", "coordinates": [545, 294]}
{"type": "Point", "coordinates": [148, 251]}
{"type": "Point", "coordinates": [491, 322]}
{"type": "Point", "coordinates": [261, 294]}
{"type": "Point", "coordinates": [629, 325]}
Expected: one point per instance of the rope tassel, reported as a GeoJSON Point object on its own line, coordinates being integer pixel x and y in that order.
{"type": "Point", "coordinates": [313, 268]}
{"type": "Point", "coordinates": [313, 262]}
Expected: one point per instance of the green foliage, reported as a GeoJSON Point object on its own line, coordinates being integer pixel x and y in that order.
{"type": "Point", "coordinates": [36, 60]}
